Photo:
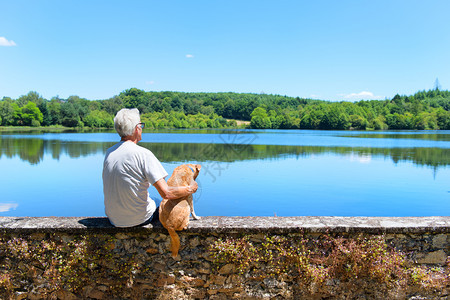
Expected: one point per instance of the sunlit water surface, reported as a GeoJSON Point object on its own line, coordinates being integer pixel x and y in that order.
{"type": "Point", "coordinates": [244, 173]}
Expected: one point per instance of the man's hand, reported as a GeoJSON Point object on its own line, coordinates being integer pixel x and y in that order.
{"type": "Point", "coordinates": [174, 192]}
{"type": "Point", "coordinates": [192, 188]}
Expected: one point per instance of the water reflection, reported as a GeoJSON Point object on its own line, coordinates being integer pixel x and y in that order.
{"type": "Point", "coordinates": [33, 150]}
{"type": "Point", "coordinates": [401, 135]}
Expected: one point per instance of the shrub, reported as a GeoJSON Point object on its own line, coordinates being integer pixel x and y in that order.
{"type": "Point", "coordinates": [352, 262]}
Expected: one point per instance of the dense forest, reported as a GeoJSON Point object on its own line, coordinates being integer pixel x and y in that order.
{"type": "Point", "coordinates": [423, 110]}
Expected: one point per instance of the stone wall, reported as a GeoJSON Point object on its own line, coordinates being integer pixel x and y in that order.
{"type": "Point", "coordinates": [82, 258]}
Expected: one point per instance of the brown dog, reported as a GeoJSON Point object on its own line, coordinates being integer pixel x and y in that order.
{"type": "Point", "coordinates": [174, 214]}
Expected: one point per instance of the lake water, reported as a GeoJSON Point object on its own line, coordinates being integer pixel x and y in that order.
{"type": "Point", "coordinates": [244, 173]}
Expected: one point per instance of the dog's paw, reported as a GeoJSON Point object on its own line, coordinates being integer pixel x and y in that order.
{"type": "Point", "coordinates": [196, 217]}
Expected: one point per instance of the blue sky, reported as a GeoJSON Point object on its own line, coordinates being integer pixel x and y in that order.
{"type": "Point", "coordinates": [329, 50]}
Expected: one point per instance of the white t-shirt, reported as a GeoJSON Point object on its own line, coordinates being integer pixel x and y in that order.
{"type": "Point", "coordinates": [128, 172]}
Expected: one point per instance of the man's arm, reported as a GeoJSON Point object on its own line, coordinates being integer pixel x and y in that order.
{"type": "Point", "coordinates": [174, 192]}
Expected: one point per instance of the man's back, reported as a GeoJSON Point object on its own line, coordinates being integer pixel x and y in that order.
{"type": "Point", "coordinates": [128, 171]}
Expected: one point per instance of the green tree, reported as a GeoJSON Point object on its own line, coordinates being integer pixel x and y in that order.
{"type": "Point", "coordinates": [379, 123]}
{"type": "Point", "coordinates": [69, 115]}
{"type": "Point", "coordinates": [207, 110]}
{"type": "Point", "coordinates": [229, 109]}
{"type": "Point", "coordinates": [443, 119]}
{"type": "Point", "coordinates": [161, 105]}
{"type": "Point", "coordinates": [176, 104]}
{"type": "Point", "coordinates": [54, 111]}
{"type": "Point", "coordinates": [17, 115]}
{"type": "Point", "coordinates": [335, 118]}
{"type": "Point", "coordinates": [112, 105]}
{"type": "Point", "coordinates": [7, 113]}
{"type": "Point", "coordinates": [30, 97]}
{"type": "Point", "coordinates": [99, 119]}
{"type": "Point", "coordinates": [394, 121]}
{"type": "Point", "coordinates": [260, 119]}
{"type": "Point", "coordinates": [358, 122]}
{"type": "Point", "coordinates": [80, 105]}
{"type": "Point", "coordinates": [47, 120]}
{"type": "Point", "coordinates": [31, 115]}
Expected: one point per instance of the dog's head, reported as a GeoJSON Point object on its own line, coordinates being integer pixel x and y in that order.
{"type": "Point", "coordinates": [195, 169]}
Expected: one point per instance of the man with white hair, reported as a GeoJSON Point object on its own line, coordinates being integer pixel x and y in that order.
{"type": "Point", "coordinates": [128, 172]}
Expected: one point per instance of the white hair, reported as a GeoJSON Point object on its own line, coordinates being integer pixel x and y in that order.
{"type": "Point", "coordinates": [126, 120]}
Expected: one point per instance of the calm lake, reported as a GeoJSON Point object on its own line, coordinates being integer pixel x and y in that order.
{"type": "Point", "coordinates": [244, 173]}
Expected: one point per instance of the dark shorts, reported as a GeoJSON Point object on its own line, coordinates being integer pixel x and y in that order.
{"type": "Point", "coordinates": [152, 220]}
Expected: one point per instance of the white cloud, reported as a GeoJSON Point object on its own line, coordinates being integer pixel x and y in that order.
{"type": "Point", "coordinates": [4, 207]}
{"type": "Point", "coordinates": [364, 95]}
{"type": "Point", "coordinates": [189, 56]}
{"type": "Point", "coordinates": [150, 82]}
{"type": "Point", "coordinates": [4, 42]}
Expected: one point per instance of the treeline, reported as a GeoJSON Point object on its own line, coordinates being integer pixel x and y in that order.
{"type": "Point", "coordinates": [423, 110]}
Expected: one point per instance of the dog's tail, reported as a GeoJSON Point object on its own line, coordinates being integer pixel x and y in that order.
{"type": "Point", "coordinates": [174, 242]}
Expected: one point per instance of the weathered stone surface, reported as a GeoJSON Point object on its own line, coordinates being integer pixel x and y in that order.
{"type": "Point", "coordinates": [436, 258]}
{"type": "Point", "coordinates": [191, 281]}
{"type": "Point", "coordinates": [147, 270]}
{"type": "Point", "coordinates": [166, 280]}
{"type": "Point", "coordinates": [152, 251]}
{"type": "Point", "coordinates": [237, 224]}
{"type": "Point", "coordinates": [227, 269]}
{"type": "Point", "coordinates": [198, 294]}
{"type": "Point", "coordinates": [121, 236]}
{"type": "Point", "coordinates": [194, 242]}
{"type": "Point", "coordinates": [20, 295]}
{"type": "Point", "coordinates": [96, 294]}
{"type": "Point", "coordinates": [440, 241]}
{"type": "Point", "coordinates": [218, 279]}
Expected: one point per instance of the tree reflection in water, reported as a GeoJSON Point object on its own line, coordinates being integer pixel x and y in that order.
{"type": "Point", "coordinates": [33, 150]}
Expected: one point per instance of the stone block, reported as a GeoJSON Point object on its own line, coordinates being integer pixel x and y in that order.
{"type": "Point", "coordinates": [192, 281]}
{"type": "Point", "coordinates": [37, 236]}
{"type": "Point", "coordinates": [258, 238]}
{"type": "Point", "coordinates": [218, 279]}
{"type": "Point", "coordinates": [227, 269]}
{"type": "Point", "coordinates": [194, 242]}
{"type": "Point", "coordinates": [207, 256]}
{"type": "Point", "coordinates": [96, 294]}
{"type": "Point", "coordinates": [210, 240]}
{"type": "Point", "coordinates": [440, 241]}
{"type": "Point", "coordinates": [433, 258]}
{"type": "Point", "coordinates": [159, 266]}
{"type": "Point", "coordinates": [20, 295]}
{"type": "Point", "coordinates": [152, 251]}
{"type": "Point", "coordinates": [235, 279]}
{"type": "Point", "coordinates": [164, 280]}
{"type": "Point", "coordinates": [121, 236]}
{"type": "Point", "coordinates": [197, 294]}
{"type": "Point", "coordinates": [230, 289]}
{"type": "Point", "coordinates": [204, 271]}
{"type": "Point", "coordinates": [212, 291]}
{"type": "Point", "coordinates": [34, 272]}
{"type": "Point", "coordinates": [161, 237]}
